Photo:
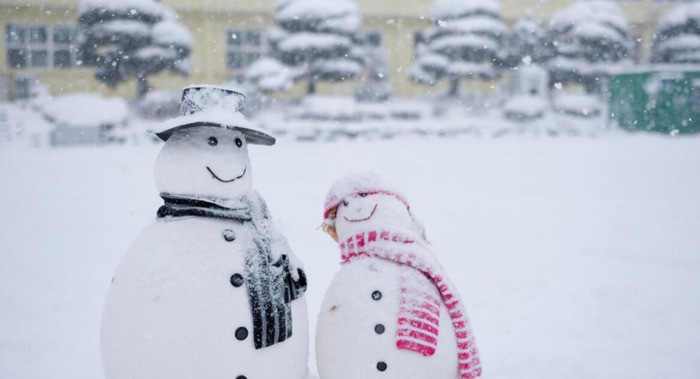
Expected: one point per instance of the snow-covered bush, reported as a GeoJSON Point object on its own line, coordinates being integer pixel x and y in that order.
{"type": "Point", "coordinates": [131, 39]}
{"type": "Point", "coordinates": [86, 110]}
{"type": "Point", "coordinates": [678, 36]}
{"type": "Point", "coordinates": [526, 43]}
{"type": "Point", "coordinates": [315, 40]}
{"type": "Point", "coordinates": [578, 105]}
{"type": "Point", "coordinates": [525, 108]}
{"type": "Point", "coordinates": [463, 42]}
{"type": "Point", "coordinates": [270, 75]}
{"type": "Point", "coordinates": [590, 38]}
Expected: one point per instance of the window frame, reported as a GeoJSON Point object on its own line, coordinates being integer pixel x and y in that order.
{"type": "Point", "coordinates": [31, 48]}
{"type": "Point", "coordinates": [246, 51]}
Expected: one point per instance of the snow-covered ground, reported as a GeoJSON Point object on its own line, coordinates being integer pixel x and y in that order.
{"type": "Point", "coordinates": [576, 257]}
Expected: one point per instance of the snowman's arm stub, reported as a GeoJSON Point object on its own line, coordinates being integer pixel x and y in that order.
{"type": "Point", "coordinates": [293, 288]}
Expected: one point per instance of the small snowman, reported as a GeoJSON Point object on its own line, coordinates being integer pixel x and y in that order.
{"type": "Point", "coordinates": [210, 289]}
{"type": "Point", "coordinates": [390, 312]}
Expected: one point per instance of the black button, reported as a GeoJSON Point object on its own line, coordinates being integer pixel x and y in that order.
{"type": "Point", "coordinates": [236, 280]}
{"type": "Point", "coordinates": [379, 328]}
{"type": "Point", "coordinates": [376, 295]}
{"type": "Point", "coordinates": [229, 235]}
{"type": "Point", "coordinates": [241, 333]}
{"type": "Point", "coordinates": [381, 366]}
{"type": "Point", "coordinates": [241, 377]}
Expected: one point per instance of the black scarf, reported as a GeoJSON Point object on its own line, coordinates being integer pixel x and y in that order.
{"type": "Point", "coordinates": [271, 279]}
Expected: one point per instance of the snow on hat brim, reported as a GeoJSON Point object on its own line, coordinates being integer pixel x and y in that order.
{"type": "Point", "coordinates": [215, 117]}
{"type": "Point", "coordinates": [356, 184]}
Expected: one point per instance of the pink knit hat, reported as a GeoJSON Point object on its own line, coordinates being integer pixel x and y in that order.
{"type": "Point", "coordinates": [355, 184]}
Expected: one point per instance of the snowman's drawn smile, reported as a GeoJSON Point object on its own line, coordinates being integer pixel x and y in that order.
{"type": "Point", "coordinates": [226, 181]}
{"type": "Point", "coordinates": [363, 219]}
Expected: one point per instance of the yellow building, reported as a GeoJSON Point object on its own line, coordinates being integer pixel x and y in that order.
{"type": "Point", "coordinates": [229, 34]}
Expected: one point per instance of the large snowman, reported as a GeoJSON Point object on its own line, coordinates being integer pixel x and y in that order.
{"type": "Point", "coordinates": [210, 289]}
{"type": "Point", "coordinates": [390, 312]}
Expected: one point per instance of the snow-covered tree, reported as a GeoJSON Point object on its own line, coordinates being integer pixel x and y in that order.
{"type": "Point", "coordinates": [269, 75]}
{"type": "Point", "coordinates": [131, 39]}
{"type": "Point", "coordinates": [526, 43]}
{"type": "Point", "coordinates": [463, 43]}
{"type": "Point", "coordinates": [678, 36]}
{"type": "Point", "coordinates": [315, 40]}
{"type": "Point", "coordinates": [589, 39]}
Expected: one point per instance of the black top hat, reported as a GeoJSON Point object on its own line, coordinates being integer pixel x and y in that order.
{"type": "Point", "coordinates": [205, 105]}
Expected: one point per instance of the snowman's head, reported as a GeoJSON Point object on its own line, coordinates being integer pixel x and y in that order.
{"type": "Point", "coordinates": [362, 212]}
{"type": "Point", "coordinates": [365, 202]}
{"type": "Point", "coordinates": [207, 162]}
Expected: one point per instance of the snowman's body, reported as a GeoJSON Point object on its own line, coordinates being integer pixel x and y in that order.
{"type": "Point", "coordinates": [356, 335]}
{"type": "Point", "coordinates": [173, 310]}
{"type": "Point", "coordinates": [348, 345]}
{"type": "Point", "coordinates": [180, 304]}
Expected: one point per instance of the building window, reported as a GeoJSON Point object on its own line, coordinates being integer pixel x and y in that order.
{"type": "Point", "coordinates": [243, 47]}
{"type": "Point", "coordinates": [41, 46]}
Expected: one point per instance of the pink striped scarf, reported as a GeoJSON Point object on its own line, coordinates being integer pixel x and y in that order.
{"type": "Point", "coordinates": [419, 313]}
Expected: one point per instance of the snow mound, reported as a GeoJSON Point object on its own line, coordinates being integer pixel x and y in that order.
{"type": "Point", "coordinates": [525, 108]}
{"type": "Point", "coordinates": [579, 105]}
{"type": "Point", "coordinates": [85, 110]}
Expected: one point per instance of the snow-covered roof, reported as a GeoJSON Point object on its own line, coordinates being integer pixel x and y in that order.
{"type": "Point", "coordinates": [655, 68]}
{"type": "Point", "coordinates": [85, 110]}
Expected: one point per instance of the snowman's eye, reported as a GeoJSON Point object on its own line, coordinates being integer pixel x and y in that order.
{"type": "Point", "coordinates": [363, 194]}
{"type": "Point", "coordinates": [212, 141]}
{"type": "Point", "coordinates": [345, 203]}
{"type": "Point", "coordinates": [239, 143]}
